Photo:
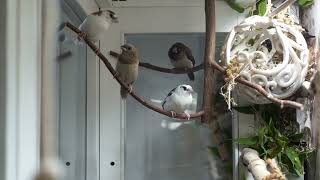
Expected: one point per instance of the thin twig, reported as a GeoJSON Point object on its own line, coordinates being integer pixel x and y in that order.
{"type": "Point", "coordinates": [93, 47]}
{"type": "Point", "coordinates": [164, 70]}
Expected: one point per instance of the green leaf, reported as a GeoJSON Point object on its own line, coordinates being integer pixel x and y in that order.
{"type": "Point", "coordinates": [305, 3]}
{"type": "Point", "coordinates": [235, 6]}
{"type": "Point", "coordinates": [296, 137]}
{"type": "Point", "coordinates": [262, 7]}
{"type": "Point", "coordinates": [273, 152]}
{"type": "Point", "coordinates": [295, 160]}
{"type": "Point", "coordinates": [250, 141]}
{"type": "Point", "coordinates": [306, 153]}
{"type": "Point", "coordinates": [261, 134]}
{"type": "Point", "coordinates": [272, 130]}
{"type": "Point", "coordinates": [269, 111]}
{"type": "Point", "coordinates": [282, 140]}
{"type": "Point", "coordinates": [247, 109]}
{"type": "Point", "coordinates": [262, 139]}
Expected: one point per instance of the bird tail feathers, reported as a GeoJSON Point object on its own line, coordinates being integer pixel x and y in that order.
{"type": "Point", "coordinates": [191, 76]}
{"type": "Point", "coordinates": [172, 126]}
{"type": "Point", "coordinates": [123, 93]}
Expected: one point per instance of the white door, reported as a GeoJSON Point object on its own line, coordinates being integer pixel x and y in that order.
{"type": "Point", "coordinates": [133, 146]}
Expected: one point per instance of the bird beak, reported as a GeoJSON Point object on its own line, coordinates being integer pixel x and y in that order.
{"type": "Point", "coordinates": [123, 48]}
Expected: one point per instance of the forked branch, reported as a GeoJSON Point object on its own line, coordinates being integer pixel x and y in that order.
{"type": "Point", "coordinates": [219, 68]}
{"type": "Point", "coordinates": [106, 62]}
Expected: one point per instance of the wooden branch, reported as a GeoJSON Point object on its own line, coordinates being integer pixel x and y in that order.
{"type": "Point", "coordinates": [208, 98]}
{"type": "Point", "coordinates": [164, 70]}
{"type": "Point", "coordinates": [209, 56]}
{"type": "Point", "coordinates": [261, 90]}
{"type": "Point", "coordinates": [183, 117]}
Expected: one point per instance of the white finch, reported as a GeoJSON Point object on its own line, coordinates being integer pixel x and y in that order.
{"type": "Point", "coordinates": [179, 100]}
{"type": "Point", "coordinates": [128, 66]}
{"type": "Point", "coordinates": [96, 24]}
{"type": "Point", "coordinates": [181, 57]}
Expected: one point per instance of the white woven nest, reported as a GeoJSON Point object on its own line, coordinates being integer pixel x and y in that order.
{"type": "Point", "coordinates": [272, 54]}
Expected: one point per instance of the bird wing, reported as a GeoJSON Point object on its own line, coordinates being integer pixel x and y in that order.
{"type": "Point", "coordinates": [165, 99]}
{"type": "Point", "coordinates": [190, 56]}
{"type": "Point", "coordinates": [127, 72]}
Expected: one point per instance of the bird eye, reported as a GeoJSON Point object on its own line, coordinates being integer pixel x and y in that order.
{"type": "Point", "coordinates": [129, 48]}
{"type": "Point", "coordinates": [184, 88]}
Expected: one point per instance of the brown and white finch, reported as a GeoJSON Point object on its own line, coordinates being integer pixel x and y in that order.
{"type": "Point", "coordinates": [96, 24]}
{"type": "Point", "coordinates": [128, 66]}
{"type": "Point", "coordinates": [181, 57]}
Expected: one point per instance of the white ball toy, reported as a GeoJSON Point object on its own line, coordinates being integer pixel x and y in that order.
{"type": "Point", "coordinates": [268, 53]}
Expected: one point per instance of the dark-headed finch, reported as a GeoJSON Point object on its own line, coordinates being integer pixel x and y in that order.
{"type": "Point", "coordinates": [181, 57]}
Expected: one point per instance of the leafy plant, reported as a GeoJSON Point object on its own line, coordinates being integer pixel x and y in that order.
{"type": "Point", "coordinates": [271, 143]}
{"type": "Point", "coordinates": [260, 7]}
{"type": "Point", "coordinates": [235, 6]}
{"type": "Point", "coordinates": [305, 3]}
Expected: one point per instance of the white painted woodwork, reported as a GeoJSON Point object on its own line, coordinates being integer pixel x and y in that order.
{"type": "Point", "coordinates": [21, 82]}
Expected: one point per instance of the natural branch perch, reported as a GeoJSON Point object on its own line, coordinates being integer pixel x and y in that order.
{"type": "Point", "coordinates": [250, 158]}
{"type": "Point", "coordinates": [271, 98]}
{"type": "Point", "coordinates": [164, 70]}
{"type": "Point", "coordinates": [208, 94]}
{"type": "Point", "coordinates": [133, 94]}
{"type": "Point", "coordinates": [261, 90]}
{"type": "Point", "coordinates": [258, 167]}
{"type": "Point", "coordinates": [220, 69]}
{"type": "Point", "coordinates": [209, 56]}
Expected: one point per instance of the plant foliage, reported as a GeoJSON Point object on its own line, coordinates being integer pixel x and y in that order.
{"type": "Point", "coordinates": [271, 143]}
{"type": "Point", "coordinates": [260, 7]}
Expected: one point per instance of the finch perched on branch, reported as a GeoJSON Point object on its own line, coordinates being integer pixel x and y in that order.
{"type": "Point", "coordinates": [179, 100]}
{"type": "Point", "coordinates": [181, 57]}
{"type": "Point", "coordinates": [96, 24]}
{"type": "Point", "coordinates": [127, 67]}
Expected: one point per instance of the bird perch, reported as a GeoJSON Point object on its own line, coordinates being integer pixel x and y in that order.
{"type": "Point", "coordinates": [262, 91]}
{"type": "Point", "coordinates": [216, 66]}
{"type": "Point", "coordinates": [106, 62]}
{"type": "Point", "coordinates": [164, 70]}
